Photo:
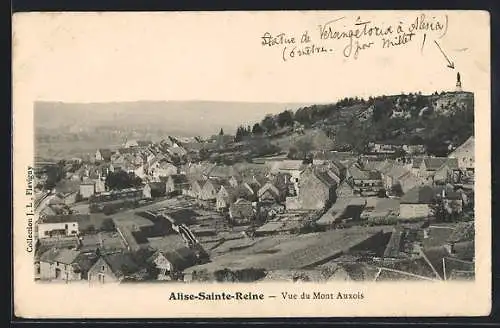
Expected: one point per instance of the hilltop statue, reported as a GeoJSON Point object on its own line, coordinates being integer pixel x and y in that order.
{"type": "Point", "coordinates": [459, 84]}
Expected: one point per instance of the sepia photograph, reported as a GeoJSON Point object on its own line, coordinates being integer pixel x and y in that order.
{"type": "Point", "coordinates": [272, 149]}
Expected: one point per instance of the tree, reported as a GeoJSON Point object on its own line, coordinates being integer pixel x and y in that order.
{"type": "Point", "coordinates": [240, 132]}
{"type": "Point", "coordinates": [121, 180]}
{"type": "Point", "coordinates": [257, 130]}
{"type": "Point", "coordinates": [108, 225]}
{"type": "Point", "coordinates": [382, 109]}
{"type": "Point", "coordinates": [304, 146]}
{"type": "Point", "coordinates": [285, 118]}
{"type": "Point", "coordinates": [292, 153]}
{"type": "Point", "coordinates": [221, 132]}
{"type": "Point", "coordinates": [268, 123]}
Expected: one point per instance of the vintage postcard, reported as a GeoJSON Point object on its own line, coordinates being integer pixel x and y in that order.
{"type": "Point", "coordinates": [251, 164]}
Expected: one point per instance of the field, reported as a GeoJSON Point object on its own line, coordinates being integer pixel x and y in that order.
{"type": "Point", "coordinates": [288, 252]}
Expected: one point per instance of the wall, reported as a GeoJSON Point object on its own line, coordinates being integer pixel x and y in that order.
{"type": "Point", "coordinates": [413, 211]}
{"type": "Point", "coordinates": [48, 272]}
{"type": "Point", "coordinates": [87, 190]}
{"type": "Point", "coordinates": [47, 227]}
{"type": "Point", "coordinates": [292, 203]}
{"type": "Point", "coordinates": [313, 194]}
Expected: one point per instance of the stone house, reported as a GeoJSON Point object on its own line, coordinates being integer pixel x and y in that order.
{"type": "Point", "coordinates": [417, 202]}
{"type": "Point", "coordinates": [465, 155]}
{"type": "Point", "coordinates": [59, 264]}
{"type": "Point", "coordinates": [172, 262]}
{"type": "Point", "coordinates": [112, 268]}
{"type": "Point", "coordinates": [87, 189]}
{"type": "Point", "coordinates": [210, 189]}
{"type": "Point", "coordinates": [177, 183]}
{"type": "Point", "coordinates": [269, 193]}
{"type": "Point", "coordinates": [154, 189]}
{"type": "Point", "coordinates": [316, 189]}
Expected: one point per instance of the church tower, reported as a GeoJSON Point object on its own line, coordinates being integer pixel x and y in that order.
{"type": "Point", "coordinates": [458, 87]}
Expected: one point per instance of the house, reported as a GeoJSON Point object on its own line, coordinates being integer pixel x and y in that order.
{"type": "Point", "coordinates": [316, 189]}
{"type": "Point", "coordinates": [393, 175]}
{"type": "Point", "coordinates": [292, 167]}
{"type": "Point", "coordinates": [67, 198]}
{"type": "Point", "coordinates": [162, 168]}
{"type": "Point", "coordinates": [103, 155]}
{"type": "Point", "coordinates": [221, 172]}
{"type": "Point", "coordinates": [226, 195]}
{"type": "Point", "coordinates": [177, 184]}
{"type": "Point", "coordinates": [408, 181]}
{"type": "Point", "coordinates": [233, 181]}
{"type": "Point", "coordinates": [365, 183]}
{"type": "Point", "coordinates": [176, 150]}
{"type": "Point", "coordinates": [195, 187]}
{"type": "Point", "coordinates": [345, 209]}
{"type": "Point", "coordinates": [241, 211]}
{"type": "Point", "coordinates": [112, 268]}
{"type": "Point", "coordinates": [417, 202]}
{"type": "Point", "coordinates": [55, 226]}
{"type": "Point", "coordinates": [210, 189]}
{"type": "Point", "coordinates": [154, 189]}
{"type": "Point", "coordinates": [168, 263]}
{"type": "Point", "coordinates": [429, 166]}
{"type": "Point", "coordinates": [269, 193]}
{"type": "Point", "coordinates": [130, 144]}
{"type": "Point", "coordinates": [87, 189]}
{"type": "Point", "coordinates": [59, 264]}
{"type": "Point", "coordinates": [465, 155]}
{"type": "Point", "coordinates": [449, 172]}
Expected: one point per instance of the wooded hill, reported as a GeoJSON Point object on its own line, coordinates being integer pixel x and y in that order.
{"type": "Point", "coordinates": [435, 121]}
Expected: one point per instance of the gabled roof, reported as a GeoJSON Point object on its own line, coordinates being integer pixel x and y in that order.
{"type": "Point", "coordinates": [222, 171]}
{"type": "Point", "coordinates": [325, 178]}
{"type": "Point", "coordinates": [216, 183]}
{"type": "Point", "coordinates": [417, 161]}
{"type": "Point", "coordinates": [452, 163]}
{"type": "Point", "coordinates": [467, 145]}
{"type": "Point", "coordinates": [397, 172]}
{"type": "Point", "coordinates": [290, 165]}
{"type": "Point", "coordinates": [62, 255]}
{"type": "Point", "coordinates": [242, 207]}
{"type": "Point", "coordinates": [121, 263]}
{"type": "Point", "coordinates": [419, 195]}
{"type": "Point", "coordinates": [179, 179]}
{"type": "Point", "coordinates": [450, 193]}
{"type": "Point", "coordinates": [358, 174]}
{"type": "Point", "coordinates": [269, 187]}
{"type": "Point", "coordinates": [181, 258]}
{"type": "Point", "coordinates": [434, 163]}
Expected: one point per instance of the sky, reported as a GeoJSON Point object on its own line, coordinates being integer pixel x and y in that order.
{"type": "Point", "coordinates": [104, 57]}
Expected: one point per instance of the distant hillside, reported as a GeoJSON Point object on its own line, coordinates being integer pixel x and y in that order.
{"type": "Point", "coordinates": [184, 118]}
